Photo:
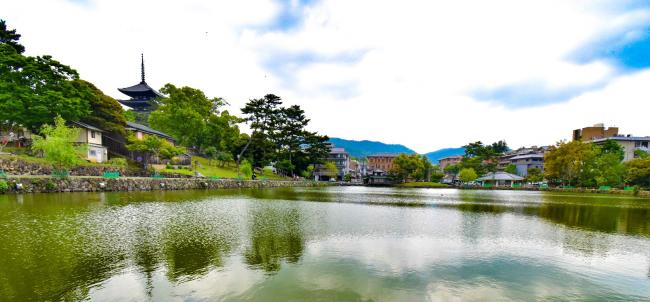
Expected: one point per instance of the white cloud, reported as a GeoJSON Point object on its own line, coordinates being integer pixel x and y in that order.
{"type": "Point", "coordinates": [412, 83]}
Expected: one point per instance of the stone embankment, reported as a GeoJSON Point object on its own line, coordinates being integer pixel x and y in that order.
{"type": "Point", "coordinates": [640, 193]}
{"type": "Point", "coordinates": [97, 184]}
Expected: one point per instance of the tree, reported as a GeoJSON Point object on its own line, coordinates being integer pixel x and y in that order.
{"type": "Point", "coordinates": [411, 167]}
{"type": "Point", "coordinates": [637, 172]}
{"type": "Point", "coordinates": [467, 175]}
{"type": "Point", "coordinates": [511, 168]}
{"type": "Point", "coordinates": [58, 145]}
{"type": "Point", "coordinates": [535, 175]}
{"type": "Point", "coordinates": [184, 114]}
{"type": "Point", "coordinates": [211, 153]}
{"type": "Point", "coordinates": [261, 113]}
{"type": "Point", "coordinates": [571, 163]}
{"type": "Point", "coordinates": [330, 169]}
{"type": "Point", "coordinates": [483, 158]}
{"type": "Point", "coordinates": [34, 90]}
{"type": "Point", "coordinates": [246, 169]}
{"type": "Point", "coordinates": [10, 37]}
{"type": "Point", "coordinates": [154, 146]}
{"type": "Point", "coordinates": [452, 169]}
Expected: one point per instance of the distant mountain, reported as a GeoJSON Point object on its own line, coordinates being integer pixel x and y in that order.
{"type": "Point", "coordinates": [442, 153]}
{"type": "Point", "coordinates": [364, 148]}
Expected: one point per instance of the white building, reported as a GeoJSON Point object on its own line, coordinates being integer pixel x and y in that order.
{"type": "Point", "coordinates": [629, 143]}
{"type": "Point", "coordinates": [92, 136]}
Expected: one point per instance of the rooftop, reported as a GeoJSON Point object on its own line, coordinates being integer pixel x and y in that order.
{"type": "Point", "coordinates": [622, 138]}
{"type": "Point", "coordinates": [145, 129]}
{"type": "Point", "coordinates": [86, 126]}
{"type": "Point", "coordinates": [531, 155]}
{"type": "Point", "coordinates": [500, 176]}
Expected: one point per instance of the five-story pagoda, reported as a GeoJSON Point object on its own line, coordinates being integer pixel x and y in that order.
{"type": "Point", "coordinates": [143, 97]}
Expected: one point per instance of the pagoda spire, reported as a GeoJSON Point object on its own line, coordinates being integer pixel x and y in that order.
{"type": "Point", "coordinates": [142, 67]}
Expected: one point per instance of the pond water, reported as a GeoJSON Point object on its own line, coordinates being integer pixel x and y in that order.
{"type": "Point", "coordinates": [324, 244]}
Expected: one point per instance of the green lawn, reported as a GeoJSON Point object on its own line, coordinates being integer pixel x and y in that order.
{"type": "Point", "coordinates": [44, 162]}
{"type": "Point", "coordinates": [422, 185]}
{"type": "Point", "coordinates": [212, 169]}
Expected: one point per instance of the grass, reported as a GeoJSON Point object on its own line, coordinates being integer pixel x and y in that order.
{"type": "Point", "coordinates": [211, 169]}
{"type": "Point", "coordinates": [422, 185]}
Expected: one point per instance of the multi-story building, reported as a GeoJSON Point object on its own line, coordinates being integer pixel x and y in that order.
{"type": "Point", "coordinates": [340, 158]}
{"type": "Point", "coordinates": [382, 161]}
{"type": "Point", "coordinates": [598, 134]}
{"type": "Point", "coordinates": [523, 159]}
{"type": "Point", "coordinates": [449, 161]}
{"type": "Point", "coordinates": [629, 143]}
{"type": "Point", "coordinates": [597, 131]}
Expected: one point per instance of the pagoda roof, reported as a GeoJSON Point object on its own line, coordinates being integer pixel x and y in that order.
{"type": "Point", "coordinates": [140, 90]}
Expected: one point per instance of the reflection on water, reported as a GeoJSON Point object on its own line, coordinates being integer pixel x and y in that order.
{"type": "Point", "coordinates": [344, 244]}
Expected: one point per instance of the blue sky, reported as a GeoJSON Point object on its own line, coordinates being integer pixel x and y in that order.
{"type": "Point", "coordinates": [427, 74]}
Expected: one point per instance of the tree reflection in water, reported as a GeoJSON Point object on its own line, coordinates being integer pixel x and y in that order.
{"type": "Point", "coordinates": [275, 235]}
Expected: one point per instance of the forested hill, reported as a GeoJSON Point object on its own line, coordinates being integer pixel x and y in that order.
{"type": "Point", "coordinates": [442, 153]}
{"type": "Point", "coordinates": [364, 148]}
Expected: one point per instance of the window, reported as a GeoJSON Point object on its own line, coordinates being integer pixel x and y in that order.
{"type": "Point", "coordinates": [92, 134]}
{"type": "Point", "coordinates": [93, 153]}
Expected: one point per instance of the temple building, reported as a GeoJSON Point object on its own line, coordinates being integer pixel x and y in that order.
{"type": "Point", "coordinates": [143, 97]}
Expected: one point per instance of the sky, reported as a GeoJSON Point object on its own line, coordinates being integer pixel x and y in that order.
{"type": "Point", "coordinates": [426, 74]}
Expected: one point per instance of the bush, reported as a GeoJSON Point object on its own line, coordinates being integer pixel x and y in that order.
{"type": "Point", "coordinates": [50, 186]}
{"type": "Point", "coordinates": [246, 169]}
{"type": "Point", "coordinates": [4, 186]}
{"type": "Point", "coordinates": [118, 161]}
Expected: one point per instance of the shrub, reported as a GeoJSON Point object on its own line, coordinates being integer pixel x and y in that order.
{"type": "Point", "coordinates": [50, 186]}
{"type": "Point", "coordinates": [246, 169]}
{"type": "Point", "coordinates": [118, 161]}
{"type": "Point", "coordinates": [4, 187]}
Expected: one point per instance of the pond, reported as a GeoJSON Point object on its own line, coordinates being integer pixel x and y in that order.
{"type": "Point", "coordinates": [324, 244]}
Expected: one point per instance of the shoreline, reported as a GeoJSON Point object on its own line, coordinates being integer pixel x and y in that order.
{"type": "Point", "coordinates": [48, 184]}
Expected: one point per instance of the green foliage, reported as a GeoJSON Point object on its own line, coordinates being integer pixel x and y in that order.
{"type": "Point", "coordinates": [411, 167]}
{"type": "Point", "coordinates": [347, 177]}
{"type": "Point", "coordinates": [483, 158]}
{"type": "Point", "coordinates": [279, 133]}
{"type": "Point", "coordinates": [34, 90]}
{"type": "Point", "coordinates": [106, 112]}
{"type": "Point", "coordinates": [58, 145]}
{"type": "Point", "coordinates": [194, 119]}
{"type": "Point", "coordinates": [4, 186]}
{"type": "Point", "coordinates": [569, 163]}
{"type": "Point", "coordinates": [330, 169]}
{"type": "Point", "coordinates": [118, 161]}
{"type": "Point", "coordinates": [155, 146]}
{"type": "Point", "coordinates": [638, 172]}
{"type": "Point", "coordinates": [246, 169]}
{"type": "Point", "coordinates": [641, 154]}
{"type": "Point", "coordinates": [10, 38]}
{"type": "Point", "coordinates": [467, 175]}
{"type": "Point", "coordinates": [50, 186]}
{"type": "Point", "coordinates": [511, 168]}
{"type": "Point", "coordinates": [285, 167]}
{"type": "Point", "coordinates": [535, 175]}
{"type": "Point", "coordinates": [452, 169]}
{"type": "Point", "coordinates": [130, 115]}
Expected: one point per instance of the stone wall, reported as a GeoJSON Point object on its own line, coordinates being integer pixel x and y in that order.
{"type": "Point", "coordinates": [97, 184]}
{"type": "Point", "coordinates": [15, 166]}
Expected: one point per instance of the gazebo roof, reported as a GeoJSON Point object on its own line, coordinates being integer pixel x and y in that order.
{"type": "Point", "coordinates": [500, 176]}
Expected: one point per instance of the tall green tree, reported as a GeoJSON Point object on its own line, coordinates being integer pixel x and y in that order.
{"type": "Point", "coordinates": [467, 175]}
{"type": "Point", "coordinates": [10, 37]}
{"type": "Point", "coordinates": [106, 113]}
{"type": "Point", "coordinates": [571, 163]}
{"type": "Point", "coordinates": [638, 172]}
{"type": "Point", "coordinates": [58, 145]}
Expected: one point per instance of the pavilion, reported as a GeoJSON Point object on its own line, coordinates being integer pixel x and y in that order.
{"type": "Point", "coordinates": [143, 97]}
{"type": "Point", "coordinates": [500, 179]}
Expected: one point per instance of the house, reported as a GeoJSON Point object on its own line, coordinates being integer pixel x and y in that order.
{"type": "Point", "coordinates": [449, 161]}
{"type": "Point", "coordinates": [381, 161]}
{"type": "Point", "coordinates": [91, 136]}
{"type": "Point", "coordinates": [140, 131]}
{"type": "Point", "coordinates": [500, 179]}
{"type": "Point", "coordinates": [340, 158]}
{"type": "Point", "coordinates": [15, 136]}
{"type": "Point", "coordinates": [378, 177]}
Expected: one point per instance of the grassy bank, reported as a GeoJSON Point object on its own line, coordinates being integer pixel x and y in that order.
{"type": "Point", "coordinates": [212, 169]}
{"type": "Point", "coordinates": [422, 185]}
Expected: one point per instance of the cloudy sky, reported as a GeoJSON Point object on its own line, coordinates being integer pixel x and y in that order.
{"type": "Point", "coordinates": [426, 74]}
